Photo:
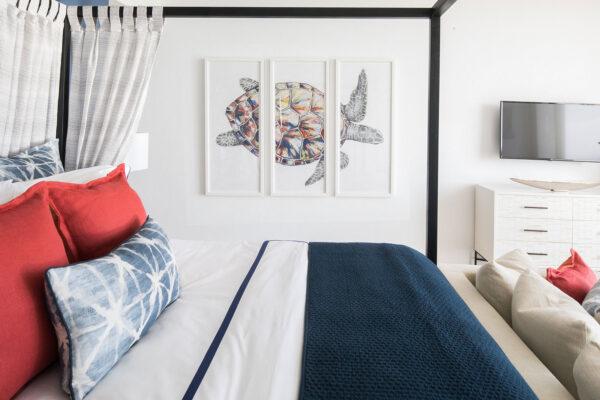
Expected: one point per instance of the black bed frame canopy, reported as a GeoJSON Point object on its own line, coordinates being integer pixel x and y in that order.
{"type": "Point", "coordinates": [433, 14]}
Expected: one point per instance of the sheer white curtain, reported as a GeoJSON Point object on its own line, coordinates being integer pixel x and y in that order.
{"type": "Point", "coordinates": [112, 60]}
{"type": "Point", "coordinates": [30, 49]}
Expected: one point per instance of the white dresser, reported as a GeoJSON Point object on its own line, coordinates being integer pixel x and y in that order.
{"type": "Point", "coordinates": [545, 224]}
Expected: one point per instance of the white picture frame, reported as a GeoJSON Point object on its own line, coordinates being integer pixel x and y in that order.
{"type": "Point", "coordinates": [342, 94]}
{"type": "Point", "coordinates": [274, 167]}
{"type": "Point", "coordinates": [214, 111]}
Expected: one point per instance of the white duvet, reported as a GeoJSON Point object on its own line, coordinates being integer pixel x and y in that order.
{"type": "Point", "coordinates": [260, 355]}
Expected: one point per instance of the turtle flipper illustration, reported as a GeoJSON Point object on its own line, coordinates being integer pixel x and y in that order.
{"type": "Point", "coordinates": [356, 109]}
{"type": "Point", "coordinates": [231, 138]}
{"type": "Point", "coordinates": [354, 112]}
{"type": "Point", "coordinates": [318, 174]}
{"type": "Point", "coordinates": [363, 134]}
{"type": "Point", "coordinates": [299, 123]}
{"type": "Point", "coordinates": [320, 170]}
{"type": "Point", "coordinates": [344, 160]}
{"type": "Point", "coordinates": [248, 84]}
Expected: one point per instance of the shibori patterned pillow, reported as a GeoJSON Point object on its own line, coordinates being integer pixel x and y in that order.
{"type": "Point", "coordinates": [101, 307]}
{"type": "Point", "coordinates": [591, 303]}
{"type": "Point", "coordinates": [37, 162]}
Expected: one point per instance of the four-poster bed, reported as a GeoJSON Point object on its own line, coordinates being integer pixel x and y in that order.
{"type": "Point", "coordinates": [278, 319]}
{"type": "Point", "coordinates": [434, 15]}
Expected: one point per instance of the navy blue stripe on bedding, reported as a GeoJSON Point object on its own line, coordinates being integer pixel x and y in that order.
{"type": "Point", "coordinates": [382, 322]}
{"type": "Point", "coordinates": [212, 349]}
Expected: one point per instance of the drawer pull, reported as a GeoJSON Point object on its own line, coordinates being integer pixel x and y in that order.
{"type": "Point", "coordinates": [535, 230]}
{"type": "Point", "coordinates": [537, 254]}
{"type": "Point", "coordinates": [536, 207]}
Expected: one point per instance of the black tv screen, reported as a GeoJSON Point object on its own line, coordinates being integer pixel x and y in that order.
{"type": "Point", "coordinates": [550, 131]}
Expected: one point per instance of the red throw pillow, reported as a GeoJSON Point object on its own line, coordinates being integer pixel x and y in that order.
{"type": "Point", "coordinates": [29, 245]}
{"type": "Point", "coordinates": [97, 216]}
{"type": "Point", "coordinates": [573, 277]}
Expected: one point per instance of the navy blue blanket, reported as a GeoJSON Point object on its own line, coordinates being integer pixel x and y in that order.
{"type": "Point", "coordinates": [382, 322]}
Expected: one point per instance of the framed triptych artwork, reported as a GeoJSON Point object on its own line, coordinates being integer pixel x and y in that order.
{"type": "Point", "coordinates": [234, 139]}
{"type": "Point", "coordinates": [299, 105]}
{"type": "Point", "coordinates": [295, 140]}
{"type": "Point", "coordinates": [364, 127]}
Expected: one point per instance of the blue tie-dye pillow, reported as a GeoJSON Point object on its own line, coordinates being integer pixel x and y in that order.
{"type": "Point", "coordinates": [37, 162]}
{"type": "Point", "coordinates": [591, 303]}
{"type": "Point", "coordinates": [100, 308]}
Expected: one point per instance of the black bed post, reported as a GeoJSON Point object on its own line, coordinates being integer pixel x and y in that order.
{"type": "Point", "coordinates": [63, 91]}
{"type": "Point", "coordinates": [433, 134]}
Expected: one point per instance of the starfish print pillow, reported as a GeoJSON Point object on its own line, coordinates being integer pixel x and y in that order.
{"type": "Point", "coordinates": [100, 308]}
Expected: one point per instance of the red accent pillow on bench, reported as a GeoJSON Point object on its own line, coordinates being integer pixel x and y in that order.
{"type": "Point", "coordinates": [29, 245]}
{"type": "Point", "coordinates": [97, 216]}
{"type": "Point", "coordinates": [573, 277]}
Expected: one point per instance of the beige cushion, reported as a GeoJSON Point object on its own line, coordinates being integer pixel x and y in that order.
{"type": "Point", "coordinates": [552, 324]}
{"type": "Point", "coordinates": [586, 372]}
{"type": "Point", "coordinates": [496, 280]}
{"type": "Point", "coordinates": [517, 260]}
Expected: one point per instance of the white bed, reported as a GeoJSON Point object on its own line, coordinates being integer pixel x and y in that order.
{"type": "Point", "coordinates": [260, 356]}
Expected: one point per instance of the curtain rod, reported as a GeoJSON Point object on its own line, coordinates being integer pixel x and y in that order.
{"type": "Point", "coordinates": [283, 12]}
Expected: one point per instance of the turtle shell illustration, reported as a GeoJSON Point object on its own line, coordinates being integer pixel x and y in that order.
{"type": "Point", "coordinates": [299, 124]}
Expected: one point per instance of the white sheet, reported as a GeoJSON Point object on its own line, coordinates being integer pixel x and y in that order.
{"type": "Point", "coordinates": [260, 355]}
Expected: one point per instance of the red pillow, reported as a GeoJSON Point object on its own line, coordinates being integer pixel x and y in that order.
{"type": "Point", "coordinates": [29, 244]}
{"type": "Point", "coordinates": [97, 216]}
{"type": "Point", "coordinates": [573, 277]}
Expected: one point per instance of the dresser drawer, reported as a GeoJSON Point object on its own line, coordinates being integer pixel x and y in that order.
{"type": "Point", "coordinates": [586, 209]}
{"type": "Point", "coordinates": [534, 230]}
{"type": "Point", "coordinates": [590, 254]}
{"type": "Point", "coordinates": [543, 254]}
{"type": "Point", "coordinates": [543, 207]}
{"type": "Point", "coordinates": [586, 232]}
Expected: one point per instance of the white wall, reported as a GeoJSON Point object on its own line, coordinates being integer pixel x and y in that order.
{"type": "Point", "coordinates": [172, 187]}
{"type": "Point", "coordinates": [492, 50]}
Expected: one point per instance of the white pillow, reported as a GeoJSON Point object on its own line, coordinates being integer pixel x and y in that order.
{"type": "Point", "coordinates": [84, 175]}
{"type": "Point", "coordinates": [554, 325]}
{"type": "Point", "coordinates": [496, 280]}
{"type": "Point", "coordinates": [586, 372]}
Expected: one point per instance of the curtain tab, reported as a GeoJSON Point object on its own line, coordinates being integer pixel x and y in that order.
{"type": "Point", "coordinates": [73, 19]}
{"type": "Point", "coordinates": [34, 6]}
{"type": "Point", "coordinates": [44, 8]}
{"type": "Point", "coordinates": [141, 21]}
{"type": "Point", "coordinates": [103, 18]}
{"type": "Point", "coordinates": [62, 11]}
{"type": "Point", "coordinates": [115, 20]}
{"type": "Point", "coordinates": [53, 12]}
{"type": "Point", "coordinates": [128, 19]}
{"type": "Point", "coordinates": [156, 24]}
{"type": "Point", "coordinates": [88, 19]}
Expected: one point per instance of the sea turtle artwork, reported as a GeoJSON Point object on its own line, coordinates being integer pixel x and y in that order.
{"type": "Point", "coordinates": [299, 124]}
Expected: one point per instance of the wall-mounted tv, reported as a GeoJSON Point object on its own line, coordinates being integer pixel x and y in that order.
{"type": "Point", "coordinates": [550, 131]}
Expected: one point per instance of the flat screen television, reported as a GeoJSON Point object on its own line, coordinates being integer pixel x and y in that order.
{"type": "Point", "coordinates": [550, 131]}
